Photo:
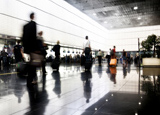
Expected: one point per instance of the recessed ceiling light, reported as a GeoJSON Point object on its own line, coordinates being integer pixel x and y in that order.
{"type": "Point", "coordinates": [139, 18]}
{"type": "Point", "coordinates": [135, 8]}
{"type": "Point", "coordinates": [105, 22]}
{"type": "Point", "coordinates": [94, 14]}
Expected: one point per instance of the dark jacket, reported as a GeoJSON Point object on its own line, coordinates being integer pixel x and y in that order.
{"type": "Point", "coordinates": [29, 38]}
{"type": "Point", "coordinates": [56, 49]}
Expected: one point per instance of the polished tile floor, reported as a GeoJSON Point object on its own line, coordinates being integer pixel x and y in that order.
{"type": "Point", "coordinates": [72, 91]}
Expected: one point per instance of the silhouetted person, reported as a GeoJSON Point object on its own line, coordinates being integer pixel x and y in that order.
{"type": "Point", "coordinates": [128, 57]}
{"type": "Point", "coordinates": [56, 49]}
{"type": "Point", "coordinates": [113, 52]}
{"type": "Point", "coordinates": [42, 47]}
{"type": "Point", "coordinates": [86, 47]}
{"type": "Point", "coordinates": [4, 55]}
{"type": "Point", "coordinates": [18, 52]}
{"type": "Point", "coordinates": [124, 58]}
{"type": "Point", "coordinates": [99, 55]}
{"type": "Point", "coordinates": [108, 56]}
{"type": "Point", "coordinates": [30, 45]}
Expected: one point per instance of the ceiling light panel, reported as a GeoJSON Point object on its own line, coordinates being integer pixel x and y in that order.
{"type": "Point", "coordinates": [121, 10]}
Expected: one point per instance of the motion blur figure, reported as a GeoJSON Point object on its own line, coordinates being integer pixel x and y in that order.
{"type": "Point", "coordinates": [4, 55]}
{"type": "Point", "coordinates": [42, 47]}
{"type": "Point", "coordinates": [18, 52]}
{"type": "Point", "coordinates": [86, 47]}
{"type": "Point", "coordinates": [124, 58]}
{"type": "Point", "coordinates": [108, 56]}
{"type": "Point", "coordinates": [99, 55]}
{"type": "Point", "coordinates": [56, 62]}
{"type": "Point", "coordinates": [30, 45]}
{"type": "Point", "coordinates": [113, 52]}
{"type": "Point", "coordinates": [88, 56]}
{"type": "Point", "coordinates": [56, 49]}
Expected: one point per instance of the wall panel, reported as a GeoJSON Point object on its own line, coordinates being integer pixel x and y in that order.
{"type": "Point", "coordinates": [60, 21]}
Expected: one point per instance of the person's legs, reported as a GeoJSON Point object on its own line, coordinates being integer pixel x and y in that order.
{"type": "Point", "coordinates": [99, 60]}
{"type": "Point", "coordinates": [87, 52]}
{"type": "Point", "coordinates": [43, 67]}
{"type": "Point", "coordinates": [31, 74]}
{"type": "Point", "coordinates": [108, 60]}
{"type": "Point", "coordinates": [4, 61]}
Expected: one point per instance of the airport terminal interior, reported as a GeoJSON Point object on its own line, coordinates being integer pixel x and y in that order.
{"type": "Point", "coordinates": [104, 80]}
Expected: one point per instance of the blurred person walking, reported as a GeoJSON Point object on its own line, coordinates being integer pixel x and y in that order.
{"type": "Point", "coordinates": [128, 57]}
{"type": "Point", "coordinates": [42, 46]}
{"type": "Point", "coordinates": [56, 49]}
{"type": "Point", "coordinates": [86, 47]}
{"type": "Point", "coordinates": [108, 56]}
{"type": "Point", "coordinates": [30, 45]}
{"type": "Point", "coordinates": [56, 62]}
{"type": "Point", "coordinates": [124, 58]}
{"type": "Point", "coordinates": [113, 52]}
{"type": "Point", "coordinates": [18, 52]}
{"type": "Point", "coordinates": [99, 55]}
{"type": "Point", "coordinates": [113, 61]}
{"type": "Point", "coordinates": [4, 55]}
{"type": "Point", "coordinates": [88, 56]}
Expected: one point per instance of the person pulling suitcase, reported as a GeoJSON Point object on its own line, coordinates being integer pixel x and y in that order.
{"type": "Point", "coordinates": [113, 61]}
{"type": "Point", "coordinates": [56, 62]}
{"type": "Point", "coordinates": [87, 51]}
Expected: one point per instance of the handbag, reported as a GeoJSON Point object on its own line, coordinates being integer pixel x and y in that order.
{"type": "Point", "coordinates": [36, 59]}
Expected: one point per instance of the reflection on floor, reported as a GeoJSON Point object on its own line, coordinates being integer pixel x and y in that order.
{"type": "Point", "coordinates": [72, 91]}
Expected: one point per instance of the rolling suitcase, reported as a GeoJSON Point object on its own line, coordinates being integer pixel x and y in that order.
{"type": "Point", "coordinates": [82, 60]}
{"type": "Point", "coordinates": [113, 62]}
{"type": "Point", "coordinates": [88, 63]}
{"type": "Point", "coordinates": [55, 64]}
{"type": "Point", "coordinates": [22, 69]}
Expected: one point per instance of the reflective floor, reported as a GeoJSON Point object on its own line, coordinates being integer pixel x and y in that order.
{"type": "Point", "coordinates": [72, 91]}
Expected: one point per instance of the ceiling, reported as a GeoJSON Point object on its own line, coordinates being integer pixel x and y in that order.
{"type": "Point", "coordinates": [117, 14]}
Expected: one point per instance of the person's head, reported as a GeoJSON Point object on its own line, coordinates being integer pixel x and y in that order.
{"type": "Point", "coordinates": [32, 16]}
{"type": "Point", "coordinates": [40, 33]}
{"type": "Point", "coordinates": [86, 37]}
{"type": "Point", "coordinates": [114, 46]}
{"type": "Point", "coordinates": [99, 50]}
{"type": "Point", "coordinates": [18, 42]}
{"type": "Point", "coordinates": [110, 49]}
{"type": "Point", "coordinates": [58, 42]}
